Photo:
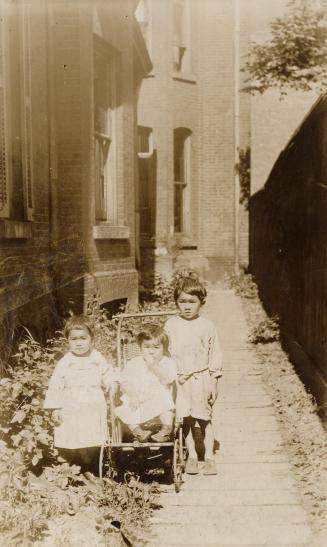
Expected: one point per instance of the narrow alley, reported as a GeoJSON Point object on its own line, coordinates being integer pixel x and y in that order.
{"type": "Point", "coordinates": [253, 500]}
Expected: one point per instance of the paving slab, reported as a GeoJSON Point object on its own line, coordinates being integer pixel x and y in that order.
{"type": "Point", "coordinates": [232, 498]}
{"type": "Point", "coordinates": [253, 500]}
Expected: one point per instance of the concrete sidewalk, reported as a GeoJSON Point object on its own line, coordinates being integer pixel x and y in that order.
{"type": "Point", "coordinates": [253, 500]}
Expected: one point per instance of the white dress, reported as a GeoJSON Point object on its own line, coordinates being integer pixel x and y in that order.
{"type": "Point", "coordinates": [150, 396]}
{"type": "Point", "coordinates": [77, 388]}
{"type": "Point", "coordinates": [195, 346]}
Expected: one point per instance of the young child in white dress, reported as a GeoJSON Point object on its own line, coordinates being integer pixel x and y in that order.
{"type": "Point", "coordinates": [76, 393]}
{"type": "Point", "coordinates": [194, 343]}
{"type": "Point", "coordinates": [146, 382]}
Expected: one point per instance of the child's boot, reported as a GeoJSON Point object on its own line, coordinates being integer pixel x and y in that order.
{"type": "Point", "coordinates": [209, 467]}
{"type": "Point", "coordinates": [163, 436]}
{"type": "Point", "coordinates": [192, 466]}
{"type": "Point", "coordinates": [140, 434]}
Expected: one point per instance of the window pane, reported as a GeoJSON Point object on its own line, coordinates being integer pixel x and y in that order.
{"type": "Point", "coordinates": [104, 109]}
{"type": "Point", "coordinates": [101, 159]}
{"type": "Point", "coordinates": [144, 140]}
{"type": "Point", "coordinates": [178, 14]}
{"type": "Point", "coordinates": [178, 207]}
{"type": "Point", "coordinates": [179, 156]}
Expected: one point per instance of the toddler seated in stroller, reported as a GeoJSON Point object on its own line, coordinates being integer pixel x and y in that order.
{"type": "Point", "coordinates": [146, 384]}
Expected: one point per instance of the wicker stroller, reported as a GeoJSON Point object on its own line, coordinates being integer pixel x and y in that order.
{"type": "Point", "coordinates": [119, 450]}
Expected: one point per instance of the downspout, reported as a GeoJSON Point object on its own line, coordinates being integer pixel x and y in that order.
{"type": "Point", "coordinates": [236, 136]}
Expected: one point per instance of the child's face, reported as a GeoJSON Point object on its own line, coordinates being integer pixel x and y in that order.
{"type": "Point", "coordinates": [79, 341]}
{"type": "Point", "coordinates": [189, 305]}
{"type": "Point", "coordinates": [152, 351]}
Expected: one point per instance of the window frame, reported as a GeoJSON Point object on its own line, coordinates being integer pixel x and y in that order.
{"type": "Point", "coordinates": [24, 154]}
{"type": "Point", "coordinates": [147, 159]}
{"type": "Point", "coordinates": [106, 206]}
{"type": "Point", "coordinates": [184, 220]}
{"type": "Point", "coordinates": [143, 15]}
{"type": "Point", "coordinates": [181, 44]}
{"type": "Point", "coordinates": [27, 115]}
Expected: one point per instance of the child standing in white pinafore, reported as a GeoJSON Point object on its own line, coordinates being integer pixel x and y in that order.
{"type": "Point", "coordinates": [76, 393]}
{"type": "Point", "coordinates": [194, 344]}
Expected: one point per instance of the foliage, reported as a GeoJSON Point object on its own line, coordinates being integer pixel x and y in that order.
{"type": "Point", "coordinates": [265, 331]}
{"type": "Point", "coordinates": [156, 289]}
{"type": "Point", "coordinates": [296, 55]}
{"type": "Point", "coordinates": [25, 425]}
{"type": "Point", "coordinates": [128, 505]}
{"type": "Point", "coordinates": [243, 284]}
{"type": "Point", "coordinates": [104, 328]}
{"type": "Point", "coordinates": [243, 169]}
{"type": "Point", "coordinates": [29, 500]}
{"type": "Point", "coordinates": [29, 504]}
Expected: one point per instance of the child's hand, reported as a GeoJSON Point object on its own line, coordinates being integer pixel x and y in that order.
{"type": "Point", "coordinates": [213, 392]}
{"type": "Point", "coordinates": [114, 389]}
{"type": "Point", "coordinates": [183, 377]}
{"type": "Point", "coordinates": [57, 417]}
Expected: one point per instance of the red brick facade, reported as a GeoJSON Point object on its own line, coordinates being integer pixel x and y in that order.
{"type": "Point", "coordinates": [61, 251]}
{"type": "Point", "coordinates": [201, 98]}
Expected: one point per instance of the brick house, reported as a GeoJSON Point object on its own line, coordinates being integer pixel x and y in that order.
{"type": "Point", "coordinates": [192, 120]}
{"type": "Point", "coordinates": [70, 73]}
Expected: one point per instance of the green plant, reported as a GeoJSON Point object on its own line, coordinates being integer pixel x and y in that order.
{"type": "Point", "coordinates": [243, 169]}
{"type": "Point", "coordinates": [104, 328]}
{"type": "Point", "coordinates": [127, 504]}
{"type": "Point", "coordinates": [157, 290]}
{"type": "Point", "coordinates": [35, 488]}
{"type": "Point", "coordinates": [266, 331]}
{"type": "Point", "coordinates": [295, 56]}
{"type": "Point", "coordinates": [25, 425]}
{"type": "Point", "coordinates": [243, 284]}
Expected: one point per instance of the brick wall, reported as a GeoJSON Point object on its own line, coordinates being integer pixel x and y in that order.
{"type": "Point", "coordinates": [205, 105]}
{"type": "Point", "coordinates": [24, 261]}
{"type": "Point", "coordinates": [60, 262]}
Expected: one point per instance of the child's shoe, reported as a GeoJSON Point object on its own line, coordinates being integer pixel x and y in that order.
{"type": "Point", "coordinates": [192, 466]}
{"type": "Point", "coordinates": [209, 467]}
{"type": "Point", "coordinates": [140, 434]}
{"type": "Point", "coordinates": [163, 436]}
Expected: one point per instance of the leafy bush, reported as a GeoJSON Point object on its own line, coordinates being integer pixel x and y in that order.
{"type": "Point", "coordinates": [156, 289]}
{"type": "Point", "coordinates": [127, 505]}
{"type": "Point", "coordinates": [265, 332]}
{"type": "Point", "coordinates": [243, 169]}
{"type": "Point", "coordinates": [243, 284]}
{"type": "Point", "coordinates": [25, 425]}
{"type": "Point", "coordinates": [295, 55]}
{"type": "Point", "coordinates": [29, 500]}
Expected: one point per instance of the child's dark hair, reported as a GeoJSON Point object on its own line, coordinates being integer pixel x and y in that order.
{"type": "Point", "coordinates": [154, 332]}
{"type": "Point", "coordinates": [78, 322]}
{"type": "Point", "coordinates": [190, 284]}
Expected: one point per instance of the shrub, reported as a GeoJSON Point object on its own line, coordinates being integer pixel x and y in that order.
{"type": "Point", "coordinates": [156, 289]}
{"type": "Point", "coordinates": [243, 284]}
{"type": "Point", "coordinates": [28, 500]}
{"type": "Point", "coordinates": [265, 332]}
{"type": "Point", "coordinates": [25, 425]}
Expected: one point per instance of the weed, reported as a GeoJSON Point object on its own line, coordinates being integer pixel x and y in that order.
{"type": "Point", "coordinates": [266, 331]}
{"type": "Point", "coordinates": [243, 284]}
